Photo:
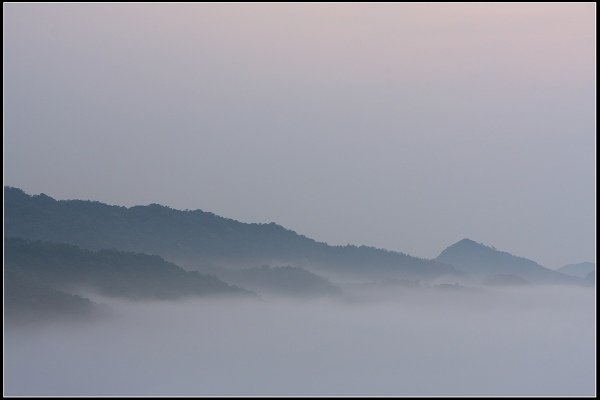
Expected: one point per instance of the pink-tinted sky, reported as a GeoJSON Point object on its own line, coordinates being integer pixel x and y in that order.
{"type": "Point", "coordinates": [404, 126]}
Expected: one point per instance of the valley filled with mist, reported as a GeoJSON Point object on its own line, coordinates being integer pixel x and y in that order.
{"type": "Point", "coordinates": [149, 300]}
{"type": "Point", "coordinates": [299, 199]}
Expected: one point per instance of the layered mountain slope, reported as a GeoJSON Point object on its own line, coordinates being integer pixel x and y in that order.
{"type": "Point", "coordinates": [481, 260]}
{"type": "Point", "coordinates": [280, 280]}
{"type": "Point", "coordinates": [70, 269]}
{"type": "Point", "coordinates": [29, 301]}
{"type": "Point", "coordinates": [580, 270]}
{"type": "Point", "coordinates": [197, 239]}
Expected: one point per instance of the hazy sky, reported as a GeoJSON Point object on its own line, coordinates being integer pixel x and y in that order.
{"type": "Point", "coordinates": [403, 126]}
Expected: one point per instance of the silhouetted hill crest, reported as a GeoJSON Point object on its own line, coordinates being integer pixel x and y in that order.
{"type": "Point", "coordinates": [198, 238]}
{"type": "Point", "coordinates": [479, 259]}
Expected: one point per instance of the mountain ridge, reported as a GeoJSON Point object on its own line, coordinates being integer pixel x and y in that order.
{"type": "Point", "coordinates": [112, 273]}
{"type": "Point", "coordinates": [197, 238]}
{"type": "Point", "coordinates": [580, 270]}
{"type": "Point", "coordinates": [482, 260]}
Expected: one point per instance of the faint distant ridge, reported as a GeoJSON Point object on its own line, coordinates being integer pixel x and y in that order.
{"type": "Point", "coordinates": [110, 273]}
{"type": "Point", "coordinates": [44, 281]}
{"type": "Point", "coordinates": [482, 260]}
{"type": "Point", "coordinates": [580, 270]}
{"type": "Point", "coordinates": [198, 239]}
{"type": "Point", "coordinates": [281, 280]}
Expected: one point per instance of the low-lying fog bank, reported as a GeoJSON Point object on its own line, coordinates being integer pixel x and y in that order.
{"type": "Point", "coordinates": [496, 341]}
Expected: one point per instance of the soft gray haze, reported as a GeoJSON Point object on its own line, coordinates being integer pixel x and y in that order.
{"type": "Point", "coordinates": [403, 126]}
{"type": "Point", "coordinates": [505, 342]}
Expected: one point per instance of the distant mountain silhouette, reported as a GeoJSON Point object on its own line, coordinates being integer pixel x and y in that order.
{"type": "Point", "coordinates": [580, 270]}
{"type": "Point", "coordinates": [69, 269]}
{"type": "Point", "coordinates": [198, 239]}
{"type": "Point", "coordinates": [29, 301]}
{"type": "Point", "coordinates": [286, 281]}
{"type": "Point", "coordinates": [481, 260]}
